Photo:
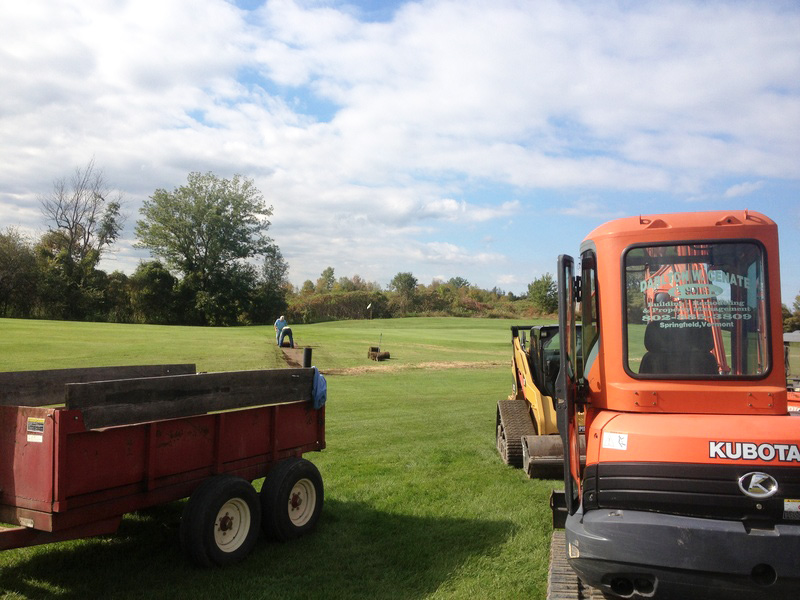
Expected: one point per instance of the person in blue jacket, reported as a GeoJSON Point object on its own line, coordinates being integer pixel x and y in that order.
{"type": "Point", "coordinates": [283, 330]}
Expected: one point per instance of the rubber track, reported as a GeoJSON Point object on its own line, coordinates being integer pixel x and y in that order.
{"type": "Point", "coordinates": [516, 421]}
{"type": "Point", "coordinates": [562, 582]}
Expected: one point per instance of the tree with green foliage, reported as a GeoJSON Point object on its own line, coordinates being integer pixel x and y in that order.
{"type": "Point", "coordinates": [117, 298]}
{"type": "Point", "coordinates": [458, 282]}
{"type": "Point", "coordinates": [404, 284]}
{"type": "Point", "coordinates": [229, 300]}
{"type": "Point", "coordinates": [18, 274]}
{"type": "Point", "coordinates": [791, 320]}
{"type": "Point", "coordinates": [62, 295]}
{"type": "Point", "coordinates": [326, 281]}
{"type": "Point", "coordinates": [344, 284]}
{"type": "Point", "coordinates": [84, 219]}
{"type": "Point", "coordinates": [270, 296]}
{"type": "Point", "coordinates": [84, 212]}
{"type": "Point", "coordinates": [543, 294]}
{"type": "Point", "coordinates": [206, 230]}
{"type": "Point", "coordinates": [355, 284]}
{"type": "Point", "coordinates": [307, 288]}
{"type": "Point", "coordinates": [153, 294]}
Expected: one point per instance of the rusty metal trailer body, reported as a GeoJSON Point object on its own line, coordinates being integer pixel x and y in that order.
{"type": "Point", "coordinates": [126, 438]}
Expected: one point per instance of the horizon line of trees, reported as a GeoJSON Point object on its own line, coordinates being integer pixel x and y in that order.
{"type": "Point", "coordinates": [33, 284]}
{"type": "Point", "coordinates": [213, 264]}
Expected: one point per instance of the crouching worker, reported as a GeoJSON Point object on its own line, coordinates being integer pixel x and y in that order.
{"type": "Point", "coordinates": [286, 332]}
{"type": "Point", "coordinates": [283, 330]}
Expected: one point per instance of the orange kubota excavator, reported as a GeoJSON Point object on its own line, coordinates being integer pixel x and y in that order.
{"type": "Point", "coordinates": [691, 483]}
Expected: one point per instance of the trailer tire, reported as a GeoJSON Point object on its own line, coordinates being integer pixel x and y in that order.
{"type": "Point", "coordinates": [221, 522]}
{"type": "Point", "coordinates": [291, 499]}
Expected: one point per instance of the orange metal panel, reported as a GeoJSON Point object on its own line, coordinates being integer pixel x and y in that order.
{"type": "Point", "coordinates": [697, 439]}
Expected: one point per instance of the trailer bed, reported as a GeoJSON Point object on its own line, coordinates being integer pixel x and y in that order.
{"type": "Point", "coordinates": [76, 453]}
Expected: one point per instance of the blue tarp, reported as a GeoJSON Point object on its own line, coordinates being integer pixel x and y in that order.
{"type": "Point", "coordinates": [319, 389]}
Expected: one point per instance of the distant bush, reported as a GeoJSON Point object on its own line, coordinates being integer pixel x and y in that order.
{"type": "Point", "coordinates": [338, 306]}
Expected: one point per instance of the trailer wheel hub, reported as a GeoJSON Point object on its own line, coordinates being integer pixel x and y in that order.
{"type": "Point", "coordinates": [297, 500]}
{"type": "Point", "coordinates": [302, 502]}
{"type": "Point", "coordinates": [232, 524]}
{"type": "Point", "coordinates": [226, 523]}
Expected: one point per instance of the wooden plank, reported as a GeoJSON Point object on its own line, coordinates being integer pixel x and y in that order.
{"type": "Point", "coordinates": [109, 403]}
{"type": "Point", "coordinates": [42, 388]}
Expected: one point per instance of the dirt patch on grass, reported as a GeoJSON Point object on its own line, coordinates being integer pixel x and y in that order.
{"type": "Point", "coordinates": [293, 356]}
{"type": "Point", "coordinates": [433, 366]}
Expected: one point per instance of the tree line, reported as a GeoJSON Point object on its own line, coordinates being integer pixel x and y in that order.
{"type": "Point", "coordinates": [213, 264]}
{"type": "Point", "coordinates": [354, 298]}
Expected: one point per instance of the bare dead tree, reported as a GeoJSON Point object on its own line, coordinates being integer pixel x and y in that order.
{"type": "Point", "coordinates": [84, 212]}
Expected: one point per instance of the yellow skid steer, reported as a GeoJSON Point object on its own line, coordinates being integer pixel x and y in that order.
{"type": "Point", "coordinates": [527, 434]}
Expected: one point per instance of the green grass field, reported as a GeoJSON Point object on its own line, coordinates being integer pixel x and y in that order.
{"type": "Point", "coordinates": [417, 502]}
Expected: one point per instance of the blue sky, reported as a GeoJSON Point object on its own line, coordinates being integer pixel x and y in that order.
{"type": "Point", "coordinates": [443, 137]}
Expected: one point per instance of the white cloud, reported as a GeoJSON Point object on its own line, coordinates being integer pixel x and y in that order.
{"type": "Point", "coordinates": [591, 209]}
{"type": "Point", "coordinates": [446, 253]}
{"type": "Point", "coordinates": [371, 139]}
{"type": "Point", "coordinates": [743, 189]}
{"type": "Point", "coordinates": [508, 279]}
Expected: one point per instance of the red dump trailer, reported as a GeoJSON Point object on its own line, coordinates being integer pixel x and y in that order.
{"type": "Point", "coordinates": [79, 448]}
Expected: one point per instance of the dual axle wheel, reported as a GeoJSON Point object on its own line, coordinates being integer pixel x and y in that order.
{"type": "Point", "coordinates": [223, 518]}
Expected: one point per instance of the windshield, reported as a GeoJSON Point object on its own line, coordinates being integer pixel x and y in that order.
{"type": "Point", "coordinates": [696, 309]}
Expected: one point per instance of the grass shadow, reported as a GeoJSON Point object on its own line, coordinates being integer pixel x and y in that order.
{"type": "Point", "coordinates": [356, 552]}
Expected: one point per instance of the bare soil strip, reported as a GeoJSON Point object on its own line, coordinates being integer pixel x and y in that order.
{"type": "Point", "coordinates": [433, 366]}
{"type": "Point", "coordinates": [294, 358]}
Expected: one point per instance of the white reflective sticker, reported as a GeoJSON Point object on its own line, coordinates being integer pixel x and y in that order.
{"type": "Point", "coordinates": [615, 441]}
{"type": "Point", "coordinates": [791, 509]}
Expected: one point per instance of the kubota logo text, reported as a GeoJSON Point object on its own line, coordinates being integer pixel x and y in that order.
{"type": "Point", "coordinates": [753, 451]}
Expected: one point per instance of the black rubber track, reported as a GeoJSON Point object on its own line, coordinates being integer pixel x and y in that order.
{"type": "Point", "coordinates": [515, 419]}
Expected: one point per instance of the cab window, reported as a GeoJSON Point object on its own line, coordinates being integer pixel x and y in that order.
{"type": "Point", "coordinates": [696, 310]}
{"type": "Point", "coordinates": [590, 331]}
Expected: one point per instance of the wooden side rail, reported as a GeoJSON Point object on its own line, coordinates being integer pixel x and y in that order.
{"type": "Point", "coordinates": [42, 388]}
{"type": "Point", "coordinates": [126, 401]}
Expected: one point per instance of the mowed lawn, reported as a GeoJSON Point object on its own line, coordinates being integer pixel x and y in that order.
{"type": "Point", "coordinates": [417, 502]}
